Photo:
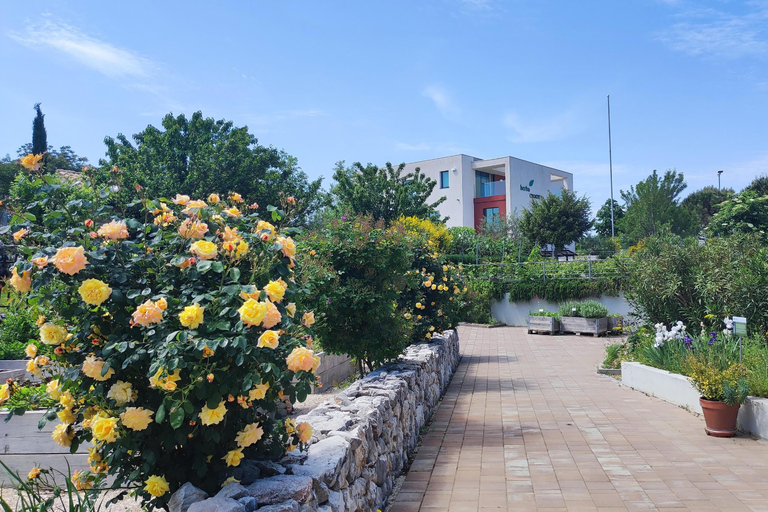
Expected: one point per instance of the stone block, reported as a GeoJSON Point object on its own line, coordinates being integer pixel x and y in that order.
{"type": "Point", "coordinates": [185, 496]}
{"type": "Point", "coordinates": [277, 489]}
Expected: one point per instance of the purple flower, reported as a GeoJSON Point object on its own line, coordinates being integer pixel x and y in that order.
{"type": "Point", "coordinates": [329, 301]}
{"type": "Point", "coordinates": [712, 338]}
{"type": "Point", "coordinates": [343, 217]}
{"type": "Point", "coordinates": [688, 342]}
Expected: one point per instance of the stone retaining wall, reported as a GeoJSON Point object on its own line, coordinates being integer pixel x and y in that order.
{"type": "Point", "coordinates": [360, 444]}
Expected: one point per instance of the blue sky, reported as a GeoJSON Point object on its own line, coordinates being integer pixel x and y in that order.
{"type": "Point", "coordinates": [408, 80]}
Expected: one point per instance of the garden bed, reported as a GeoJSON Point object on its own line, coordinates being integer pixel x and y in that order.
{"type": "Point", "coordinates": [577, 324]}
{"type": "Point", "coordinates": [677, 389]}
{"type": "Point", "coordinates": [543, 324]}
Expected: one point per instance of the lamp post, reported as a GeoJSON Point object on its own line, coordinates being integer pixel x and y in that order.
{"type": "Point", "coordinates": [718, 179]}
{"type": "Point", "coordinates": [610, 164]}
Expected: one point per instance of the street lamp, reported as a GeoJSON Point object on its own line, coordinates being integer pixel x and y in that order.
{"type": "Point", "coordinates": [718, 179]}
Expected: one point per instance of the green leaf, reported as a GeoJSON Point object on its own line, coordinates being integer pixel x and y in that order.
{"type": "Point", "coordinates": [203, 265]}
{"type": "Point", "coordinates": [177, 417]}
{"type": "Point", "coordinates": [217, 267]}
{"type": "Point", "coordinates": [235, 273]}
{"type": "Point", "coordinates": [30, 217]}
{"type": "Point", "coordinates": [160, 414]}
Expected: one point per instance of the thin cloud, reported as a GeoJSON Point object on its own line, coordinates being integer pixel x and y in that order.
{"type": "Point", "coordinates": [101, 56]}
{"type": "Point", "coordinates": [714, 33]}
{"type": "Point", "coordinates": [442, 100]}
{"type": "Point", "coordinates": [523, 131]}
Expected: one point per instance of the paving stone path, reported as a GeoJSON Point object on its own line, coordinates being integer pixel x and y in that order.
{"type": "Point", "coordinates": [527, 424]}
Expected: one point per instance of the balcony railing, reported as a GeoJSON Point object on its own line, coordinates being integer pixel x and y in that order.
{"type": "Point", "coordinates": [492, 188]}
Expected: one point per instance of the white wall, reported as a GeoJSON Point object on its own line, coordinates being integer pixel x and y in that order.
{"type": "Point", "coordinates": [458, 204]}
{"type": "Point", "coordinates": [516, 314]}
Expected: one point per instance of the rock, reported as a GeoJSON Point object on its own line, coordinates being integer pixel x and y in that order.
{"type": "Point", "coordinates": [185, 496]}
{"type": "Point", "coordinates": [380, 471]}
{"type": "Point", "coordinates": [217, 505]}
{"type": "Point", "coordinates": [336, 501]}
{"type": "Point", "coordinates": [233, 490]}
{"type": "Point", "coordinates": [328, 460]}
{"type": "Point", "coordinates": [294, 457]}
{"type": "Point", "coordinates": [269, 468]}
{"type": "Point", "coordinates": [246, 472]}
{"type": "Point", "coordinates": [249, 502]}
{"type": "Point", "coordinates": [280, 488]}
{"type": "Point", "coordinates": [321, 491]}
{"type": "Point", "coordinates": [287, 506]}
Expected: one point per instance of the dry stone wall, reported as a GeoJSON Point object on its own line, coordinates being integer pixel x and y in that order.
{"type": "Point", "coordinates": [361, 442]}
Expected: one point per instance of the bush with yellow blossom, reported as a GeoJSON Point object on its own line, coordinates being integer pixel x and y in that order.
{"type": "Point", "coordinates": [174, 331]}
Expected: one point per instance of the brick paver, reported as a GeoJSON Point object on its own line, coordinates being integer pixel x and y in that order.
{"type": "Point", "coordinates": [527, 424]}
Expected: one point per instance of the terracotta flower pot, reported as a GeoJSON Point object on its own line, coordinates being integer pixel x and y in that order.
{"type": "Point", "coordinates": [720, 418]}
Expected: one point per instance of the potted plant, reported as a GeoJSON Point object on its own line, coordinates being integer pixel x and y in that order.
{"type": "Point", "coordinates": [543, 321]}
{"type": "Point", "coordinates": [723, 390]}
{"type": "Point", "coordinates": [587, 317]}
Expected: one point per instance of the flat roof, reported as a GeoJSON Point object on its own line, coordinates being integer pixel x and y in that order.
{"type": "Point", "coordinates": [484, 159]}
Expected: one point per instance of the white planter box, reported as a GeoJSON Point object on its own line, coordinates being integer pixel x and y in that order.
{"type": "Point", "coordinates": [677, 389]}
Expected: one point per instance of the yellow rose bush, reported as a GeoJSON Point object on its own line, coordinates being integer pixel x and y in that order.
{"type": "Point", "coordinates": [171, 350]}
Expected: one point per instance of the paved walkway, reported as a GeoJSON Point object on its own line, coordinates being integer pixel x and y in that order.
{"type": "Point", "coordinates": [527, 424]}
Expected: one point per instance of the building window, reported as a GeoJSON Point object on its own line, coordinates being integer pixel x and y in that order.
{"type": "Point", "coordinates": [491, 215]}
{"type": "Point", "coordinates": [444, 179]}
{"type": "Point", "coordinates": [481, 179]}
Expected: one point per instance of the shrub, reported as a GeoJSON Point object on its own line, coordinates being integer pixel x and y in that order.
{"type": "Point", "coordinates": [16, 331]}
{"type": "Point", "coordinates": [437, 234]}
{"type": "Point", "coordinates": [357, 272]}
{"type": "Point", "coordinates": [585, 309]}
{"type": "Point", "coordinates": [175, 335]}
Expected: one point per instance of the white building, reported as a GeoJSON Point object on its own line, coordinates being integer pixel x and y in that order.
{"type": "Point", "coordinates": [476, 188]}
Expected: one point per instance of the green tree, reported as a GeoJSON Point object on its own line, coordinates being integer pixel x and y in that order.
{"type": "Point", "coordinates": [39, 137]}
{"type": "Point", "coordinates": [8, 171]}
{"type": "Point", "coordinates": [746, 212]}
{"type": "Point", "coordinates": [702, 204]}
{"type": "Point", "coordinates": [654, 204]}
{"type": "Point", "coordinates": [556, 219]}
{"type": "Point", "coordinates": [759, 185]}
{"type": "Point", "coordinates": [384, 193]}
{"type": "Point", "coordinates": [198, 155]}
{"type": "Point", "coordinates": [603, 218]}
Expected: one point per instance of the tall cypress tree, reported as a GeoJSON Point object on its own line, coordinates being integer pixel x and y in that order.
{"type": "Point", "coordinates": [39, 137]}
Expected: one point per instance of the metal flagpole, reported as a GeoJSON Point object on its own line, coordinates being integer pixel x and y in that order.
{"type": "Point", "coordinates": [610, 164]}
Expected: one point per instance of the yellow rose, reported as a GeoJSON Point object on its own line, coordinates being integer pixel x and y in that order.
{"type": "Point", "coordinates": [52, 334]}
{"type": "Point", "coordinates": [115, 230]}
{"type": "Point", "coordinates": [308, 319]}
{"type": "Point", "coordinates": [156, 485]}
{"type": "Point", "coordinates": [194, 206]}
{"type": "Point", "coordinates": [276, 290]}
{"type": "Point", "coordinates": [31, 350]}
{"type": "Point", "coordinates": [259, 391]}
{"type": "Point", "coordinates": [290, 309]}
{"type": "Point", "coordinates": [433, 286]}
{"type": "Point", "coordinates": [262, 226]}
{"type": "Point", "coordinates": [289, 247]}
{"type": "Point", "coordinates": [305, 432]}
{"type": "Point", "coordinates": [180, 199]}
{"type": "Point", "coordinates": [167, 382]}
{"type": "Point", "coordinates": [136, 418]}
{"type": "Point", "coordinates": [40, 262]}
{"type": "Point", "coordinates": [121, 392]}
{"type": "Point", "coordinates": [252, 312]}
{"type": "Point", "coordinates": [66, 416]}
{"type": "Point", "coordinates": [20, 234]}
{"type": "Point", "coordinates": [193, 229]}
{"type": "Point", "coordinates": [213, 416]}
{"type": "Point", "coordinates": [70, 260]}
{"type": "Point", "coordinates": [192, 316]}
{"type": "Point", "coordinates": [66, 399]}
{"type": "Point", "coordinates": [249, 435]}
{"type": "Point", "coordinates": [233, 457]}
{"type": "Point", "coordinates": [93, 366]}
{"type": "Point", "coordinates": [147, 314]}
{"type": "Point", "coordinates": [31, 162]}
{"type": "Point", "coordinates": [94, 292]}
{"type": "Point", "coordinates": [104, 429]}
{"type": "Point", "coordinates": [242, 249]}
{"type": "Point", "coordinates": [5, 393]}
{"type": "Point", "coordinates": [272, 316]}
{"type": "Point", "coordinates": [230, 234]}
{"type": "Point", "coordinates": [270, 339]}
{"type": "Point", "coordinates": [233, 212]}
{"type": "Point", "coordinates": [22, 283]}
{"type": "Point", "coordinates": [214, 198]}
{"type": "Point", "coordinates": [236, 197]}
{"type": "Point", "coordinates": [63, 435]}
{"type": "Point", "coordinates": [204, 249]}
{"type": "Point", "coordinates": [33, 473]}
{"type": "Point", "coordinates": [162, 303]}
{"type": "Point", "coordinates": [81, 480]}
{"type": "Point", "coordinates": [301, 359]}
